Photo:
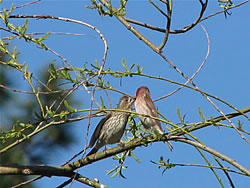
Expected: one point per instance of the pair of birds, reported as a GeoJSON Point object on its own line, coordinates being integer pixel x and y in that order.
{"type": "Point", "coordinates": [111, 128]}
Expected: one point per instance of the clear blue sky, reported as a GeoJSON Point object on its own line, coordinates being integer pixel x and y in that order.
{"type": "Point", "coordinates": [225, 75]}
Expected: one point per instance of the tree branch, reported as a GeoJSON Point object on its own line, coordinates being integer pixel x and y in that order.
{"type": "Point", "coordinates": [213, 152]}
{"type": "Point", "coordinates": [143, 142]}
{"type": "Point", "coordinates": [184, 28]}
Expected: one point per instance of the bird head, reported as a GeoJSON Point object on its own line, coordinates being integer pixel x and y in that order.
{"type": "Point", "coordinates": [142, 91]}
{"type": "Point", "coordinates": [126, 103]}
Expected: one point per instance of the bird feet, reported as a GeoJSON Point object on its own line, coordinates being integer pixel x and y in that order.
{"type": "Point", "coordinates": [121, 144]}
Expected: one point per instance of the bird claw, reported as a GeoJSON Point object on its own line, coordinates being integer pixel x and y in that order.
{"type": "Point", "coordinates": [121, 144]}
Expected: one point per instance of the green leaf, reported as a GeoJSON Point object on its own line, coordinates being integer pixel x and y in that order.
{"type": "Point", "coordinates": [212, 121]}
{"type": "Point", "coordinates": [3, 49]}
{"type": "Point", "coordinates": [108, 85]}
{"type": "Point", "coordinates": [14, 53]}
{"type": "Point", "coordinates": [131, 67]}
{"type": "Point", "coordinates": [97, 64]}
{"type": "Point", "coordinates": [65, 74]}
{"type": "Point", "coordinates": [29, 75]}
{"type": "Point", "coordinates": [121, 13]}
{"type": "Point", "coordinates": [49, 111]}
{"type": "Point", "coordinates": [117, 157]}
{"type": "Point", "coordinates": [240, 125]}
{"type": "Point", "coordinates": [179, 115]}
{"type": "Point", "coordinates": [102, 102]}
{"type": "Point", "coordinates": [139, 70]}
{"type": "Point", "coordinates": [201, 115]}
{"type": "Point", "coordinates": [52, 71]}
{"type": "Point", "coordinates": [112, 170]}
{"type": "Point", "coordinates": [94, 5]}
{"type": "Point", "coordinates": [124, 65]}
{"type": "Point", "coordinates": [26, 69]}
{"type": "Point", "coordinates": [100, 83]}
{"type": "Point", "coordinates": [133, 155]}
{"type": "Point", "coordinates": [117, 172]}
{"type": "Point", "coordinates": [25, 26]}
{"type": "Point", "coordinates": [62, 115]}
{"type": "Point", "coordinates": [22, 124]}
{"type": "Point", "coordinates": [66, 104]}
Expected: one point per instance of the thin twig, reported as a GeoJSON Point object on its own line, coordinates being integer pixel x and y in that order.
{"type": "Point", "coordinates": [30, 3]}
{"type": "Point", "coordinates": [225, 170]}
{"type": "Point", "coordinates": [204, 95]}
{"type": "Point", "coordinates": [167, 80]}
{"type": "Point", "coordinates": [208, 166]}
{"type": "Point", "coordinates": [109, 99]}
{"type": "Point", "coordinates": [180, 30]}
{"type": "Point", "coordinates": [73, 21]}
{"type": "Point", "coordinates": [27, 182]}
{"type": "Point", "coordinates": [196, 72]}
{"type": "Point", "coordinates": [41, 33]}
{"type": "Point", "coordinates": [163, 13]}
{"type": "Point", "coordinates": [213, 152]}
{"type": "Point", "coordinates": [169, 18]}
{"type": "Point", "coordinates": [16, 142]}
{"type": "Point", "coordinates": [183, 30]}
{"type": "Point", "coordinates": [76, 155]}
{"type": "Point", "coordinates": [65, 183]}
{"type": "Point", "coordinates": [225, 10]}
{"type": "Point", "coordinates": [30, 92]}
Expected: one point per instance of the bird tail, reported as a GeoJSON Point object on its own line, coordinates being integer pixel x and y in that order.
{"type": "Point", "coordinates": [159, 130]}
{"type": "Point", "coordinates": [94, 150]}
{"type": "Point", "coordinates": [169, 145]}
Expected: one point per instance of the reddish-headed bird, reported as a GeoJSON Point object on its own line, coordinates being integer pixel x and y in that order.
{"type": "Point", "coordinates": [145, 105]}
{"type": "Point", "coordinates": [111, 128]}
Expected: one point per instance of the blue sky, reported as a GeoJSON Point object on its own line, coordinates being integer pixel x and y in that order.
{"type": "Point", "coordinates": [225, 75]}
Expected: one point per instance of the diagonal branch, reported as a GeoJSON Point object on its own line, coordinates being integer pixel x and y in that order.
{"type": "Point", "coordinates": [142, 142]}
{"type": "Point", "coordinates": [196, 72]}
{"type": "Point", "coordinates": [210, 150]}
{"type": "Point", "coordinates": [47, 171]}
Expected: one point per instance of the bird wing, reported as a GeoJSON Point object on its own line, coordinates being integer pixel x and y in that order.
{"type": "Point", "coordinates": [151, 107]}
{"type": "Point", "coordinates": [97, 131]}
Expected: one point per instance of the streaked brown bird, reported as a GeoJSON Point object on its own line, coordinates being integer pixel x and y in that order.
{"type": "Point", "coordinates": [145, 105]}
{"type": "Point", "coordinates": [111, 128]}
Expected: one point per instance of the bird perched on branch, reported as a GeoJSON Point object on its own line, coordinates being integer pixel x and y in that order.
{"type": "Point", "coordinates": [111, 128]}
{"type": "Point", "coordinates": [145, 105]}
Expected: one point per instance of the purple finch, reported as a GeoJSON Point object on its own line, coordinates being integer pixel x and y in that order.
{"type": "Point", "coordinates": [111, 128]}
{"type": "Point", "coordinates": [145, 105]}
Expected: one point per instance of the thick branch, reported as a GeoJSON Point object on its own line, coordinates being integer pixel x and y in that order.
{"type": "Point", "coordinates": [143, 142]}
{"type": "Point", "coordinates": [132, 29]}
{"type": "Point", "coordinates": [35, 170]}
{"type": "Point", "coordinates": [47, 171]}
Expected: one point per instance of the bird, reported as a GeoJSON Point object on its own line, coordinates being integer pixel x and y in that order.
{"type": "Point", "coordinates": [145, 105]}
{"type": "Point", "coordinates": [111, 128]}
